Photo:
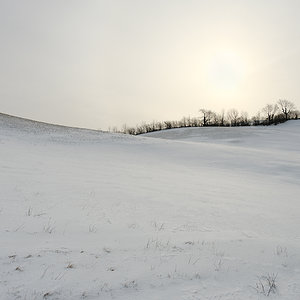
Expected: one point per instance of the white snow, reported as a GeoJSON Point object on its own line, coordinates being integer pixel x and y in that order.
{"type": "Point", "coordinates": [195, 213]}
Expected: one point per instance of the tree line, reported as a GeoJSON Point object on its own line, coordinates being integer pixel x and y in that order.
{"type": "Point", "coordinates": [270, 114]}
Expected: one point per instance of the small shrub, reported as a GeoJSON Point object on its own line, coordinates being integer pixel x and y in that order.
{"type": "Point", "coordinates": [49, 228]}
{"type": "Point", "coordinates": [70, 266]}
{"type": "Point", "coordinates": [266, 284]}
{"type": "Point", "coordinates": [29, 211]}
{"type": "Point", "coordinates": [93, 228]}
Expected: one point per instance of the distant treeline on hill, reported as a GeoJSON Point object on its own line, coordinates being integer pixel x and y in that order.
{"type": "Point", "coordinates": [276, 113]}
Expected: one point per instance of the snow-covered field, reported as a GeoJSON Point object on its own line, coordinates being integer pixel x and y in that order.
{"type": "Point", "coordinates": [186, 214]}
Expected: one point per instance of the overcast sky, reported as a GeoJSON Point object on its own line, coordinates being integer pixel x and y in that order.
{"type": "Point", "coordinates": [100, 63]}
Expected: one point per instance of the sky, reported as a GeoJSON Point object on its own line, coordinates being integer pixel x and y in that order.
{"type": "Point", "coordinates": [99, 64]}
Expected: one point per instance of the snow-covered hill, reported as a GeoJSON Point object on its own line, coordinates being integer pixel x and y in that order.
{"type": "Point", "coordinates": [198, 213]}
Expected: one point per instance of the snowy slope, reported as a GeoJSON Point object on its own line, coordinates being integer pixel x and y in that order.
{"type": "Point", "coordinates": [194, 214]}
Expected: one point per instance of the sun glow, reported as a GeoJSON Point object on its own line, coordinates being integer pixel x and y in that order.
{"type": "Point", "coordinates": [225, 72]}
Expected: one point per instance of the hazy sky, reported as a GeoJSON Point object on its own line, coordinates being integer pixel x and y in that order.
{"type": "Point", "coordinates": [103, 63]}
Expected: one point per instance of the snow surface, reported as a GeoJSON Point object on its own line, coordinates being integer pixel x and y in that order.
{"type": "Point", "coordinates": [195, 213]}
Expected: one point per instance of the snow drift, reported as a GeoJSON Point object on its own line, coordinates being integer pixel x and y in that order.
{"type": "Point", "coordinates": [195, 213]}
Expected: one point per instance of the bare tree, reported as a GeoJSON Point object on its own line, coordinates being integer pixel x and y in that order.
{"type": "Point", "coordinates": [168, 124]}
{"type": "Point", "coordinates": [244, 119]}
{"type": "Point", "coordinates": [233, 116]}
{"type": "Point", "coordinates": [131, 130]}
{"type": "Point", "coordinates": [222, 118]}
{"type": "Point", "coordinates": [124, 128]}
{"type": "Point", "coordinates": [215, 121]}
{"type": "Point", "coordinates": [207, 116]}
{"type": "Point", "coordinates": [195, 122]}
{"type": "Point", "coordinates": [286, 107]}
{"type": "Point", "coordinates": [295, 114]}
{"type": "Point", "coordinates": [256, 120]}
{"type": "Point", "coordinates": [270, 110]}
{"type": "Point", "coordinates": [160, 126]}
{"type": "Point", "coordinates": [189, 122]}
{"type": "Point", "coordinates": [204, 116]}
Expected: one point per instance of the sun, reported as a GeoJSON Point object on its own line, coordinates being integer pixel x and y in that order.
{"type": "Point", "coordinates": [225, 72]}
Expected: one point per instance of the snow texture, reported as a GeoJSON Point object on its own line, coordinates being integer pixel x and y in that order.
{"type": "Point", "coordinates": [181, 214]}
